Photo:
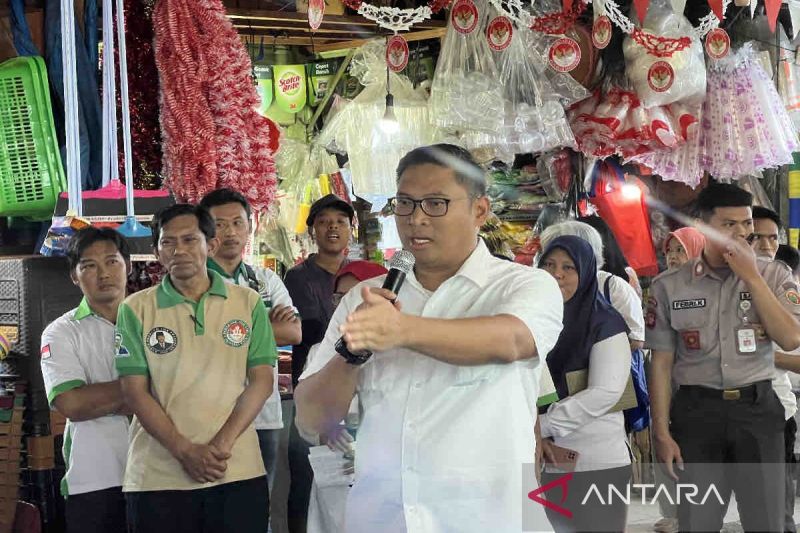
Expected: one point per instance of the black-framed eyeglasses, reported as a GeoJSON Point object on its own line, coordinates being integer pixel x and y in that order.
{"type": "Point", "coordinates": [433, 207]}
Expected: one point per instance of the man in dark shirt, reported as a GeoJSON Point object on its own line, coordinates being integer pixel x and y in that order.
{"type": "Point", "coordinates": [310, 284]}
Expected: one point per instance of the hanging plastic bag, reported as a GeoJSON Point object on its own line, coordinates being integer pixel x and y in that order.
{"type": "Point", "coordinates": [534, 119]}
{"type": "Point", "coordinates": [624, 209]}
{"type": "Point", "coordinates": [680, 77]}
{"type": "Point", "coordinates": [375, 151]}
{"type": "Point", "coordinates": [466, 93]}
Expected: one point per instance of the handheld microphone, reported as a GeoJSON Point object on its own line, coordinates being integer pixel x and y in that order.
{"type": "Point", "coordinates": [400, 265]}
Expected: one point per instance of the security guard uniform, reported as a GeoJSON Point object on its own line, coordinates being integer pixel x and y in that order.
{"type": "Point", "coordinates": [725, 410]}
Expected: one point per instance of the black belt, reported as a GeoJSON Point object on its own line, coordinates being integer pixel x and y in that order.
{"type": "Point", "coordinates": [748, 392]}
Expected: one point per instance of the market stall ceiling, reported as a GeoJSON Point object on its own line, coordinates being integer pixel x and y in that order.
{"type": "Point", "coordinates": [291, 27]}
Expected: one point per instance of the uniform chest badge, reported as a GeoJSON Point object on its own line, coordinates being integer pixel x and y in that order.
{"type": "Point", "coordinates": [236, 333]}
{"type": "Point", "coordinates": [161, 340]}
{"type": "Point", "coordinates": [691, 339]}
{"type": "Point", "coordinates": [793, 297]}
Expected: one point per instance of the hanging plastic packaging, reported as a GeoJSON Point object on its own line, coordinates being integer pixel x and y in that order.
{"type": "Point", "coordinates": [614, 121]}
{"type": "Point", "coordinates": [534, 119]}
{"type": "Point", "coordinates": [466, 93]}
{"type": "Point", "coordinates": [375, 150]}
{"type": "Point", "coordinates": [680, 77]}
{"type": "Point", "coordinates": [745, 125]}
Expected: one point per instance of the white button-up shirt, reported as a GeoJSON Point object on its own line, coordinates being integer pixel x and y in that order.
{"type": "Point", "coordinates": [441, 447]}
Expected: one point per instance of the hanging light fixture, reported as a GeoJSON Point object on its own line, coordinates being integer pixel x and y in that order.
{"type": "Point", "coordinates": [388, 123]}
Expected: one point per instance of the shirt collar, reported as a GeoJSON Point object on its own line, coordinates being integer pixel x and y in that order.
{"type": "Point", "coordinates": [168, 296]}
{"type": "Point", "coordinates": [476, 267]}
{"type": "Point", "coordinates": [238, 273]}
{"type": "Point", "coordinates": [83, 310]}
{"type": "Point", "coordinates": [701, 269]}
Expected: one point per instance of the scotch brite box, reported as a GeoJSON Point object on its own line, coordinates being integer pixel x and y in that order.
{"type": "Point", "coordinates": [320, 77]}
{"type": "Point", "coordinates": [264, 86]}
{"type": "Point", "coordinates": [547, 389]}
{"type": "Point", "coordinates": [290, 87]}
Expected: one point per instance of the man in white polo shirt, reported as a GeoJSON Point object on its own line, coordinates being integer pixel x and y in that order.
{"type": "Point", "coordinates": [231, 213]}
{"type": "Point", "coordinates": [77, 360]}
{"type": "Point", "coordinates": [449, 396]}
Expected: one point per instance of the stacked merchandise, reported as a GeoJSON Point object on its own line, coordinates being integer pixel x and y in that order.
{"type": "Point", "coordinates": [11, 417]}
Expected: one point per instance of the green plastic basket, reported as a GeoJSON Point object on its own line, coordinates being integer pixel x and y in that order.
{"type": "Point", "coordinates": [31, 174]}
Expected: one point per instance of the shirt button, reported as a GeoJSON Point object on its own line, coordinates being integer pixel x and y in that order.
{"type": "Point", "coordinates": [418, 385]}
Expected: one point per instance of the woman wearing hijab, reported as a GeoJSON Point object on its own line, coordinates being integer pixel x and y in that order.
{"type": "Point", "coordinates": [593, 343]}
{"type": "Point", "coordinates": [682, 245]}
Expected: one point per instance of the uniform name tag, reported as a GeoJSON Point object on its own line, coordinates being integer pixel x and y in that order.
{"type": "Point", "coordinates": [745, 296]}
{"type": "Point", "coordinates": [677, 305]}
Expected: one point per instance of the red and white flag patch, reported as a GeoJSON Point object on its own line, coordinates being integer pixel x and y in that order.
{"type": "Point", "coordinates": [46, 351]}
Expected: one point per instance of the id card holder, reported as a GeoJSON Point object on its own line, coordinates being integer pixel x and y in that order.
{"type": "Point", "coordinates": [746, 339]}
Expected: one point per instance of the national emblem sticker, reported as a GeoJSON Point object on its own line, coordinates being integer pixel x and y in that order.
{"type": "Point", "coordinates": [464, 16]}
{"type": "Point", "coordinates": [660, 76]}
{"type": "Point", "coordinates": [316, 12]}
{"type": "Point", "coordinates": [236, 333]}
{"type": "Point", "coordinates": [564, 55]}
{"type": "Point", "coordinates": [718, 43]}
{"type": "Point", "coordinates": [601, 32]}
{"type": "Point", "coordinates": [397, 53]}
{"type": "Point", "coordinates": [499, 33]}
{"type": "Point", "coordinates": [161, 340]}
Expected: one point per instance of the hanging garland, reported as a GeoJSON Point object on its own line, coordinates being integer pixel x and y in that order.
{"type": "Point", "coordinates": [558, 23]}
{"type": "Point", "coordinates": [396, 19]}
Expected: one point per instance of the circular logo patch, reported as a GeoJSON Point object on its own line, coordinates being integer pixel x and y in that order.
{"type": "Point", "coordinates": [316, 11]}
{"type": "Point", "coordinates": [660, 76]}
{"type": "Point", "coordinates": [564, 55]}
{"type": "Point", "coordinates": [397, 53]}
{"type": "Point", "coordinates": [236, 333]}
{"type": "Point", "coordinates": [161, 341]}
{"type": "Point", "coordinates": [718, 43]}
{"type": "Point", "coordinates": [499, 33]}
{"type": "Point", "coordinates": [464, 16]}
{"type": "Point", "coordinates": [601, 32]}
{"type": "Point", "coordinates": [792, 297]}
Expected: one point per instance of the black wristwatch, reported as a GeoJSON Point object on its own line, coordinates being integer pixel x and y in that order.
{"type": "Point", "coordinates": [352, 358]}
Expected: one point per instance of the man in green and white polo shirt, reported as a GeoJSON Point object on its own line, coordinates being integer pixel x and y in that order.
{"type": "Point", "coordinates": [195, 359]}
{"type": "Point", "coordinates": [77, 360]}
{"type": "Point", "coordinates": [231, 213]}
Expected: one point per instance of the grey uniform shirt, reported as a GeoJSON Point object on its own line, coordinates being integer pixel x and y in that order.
{"type": "Point", "coordinates": [696, 312]}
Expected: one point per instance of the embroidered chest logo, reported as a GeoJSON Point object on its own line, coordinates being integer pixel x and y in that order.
{"type": "Point", "coordinates": [236, 333]}
{"type": "Point", "coordinates": [161, 340]}
{"type": "Point", "coordinates": [697, 303]}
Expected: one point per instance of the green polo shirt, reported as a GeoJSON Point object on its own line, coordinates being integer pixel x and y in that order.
{"type": "Point", "coordinates": [196, 355]}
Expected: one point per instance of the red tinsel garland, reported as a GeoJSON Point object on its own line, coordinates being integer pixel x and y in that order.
{"type": "Point", "coordinates": [213, 136]}
{"type": "Point", "coordinates": [558, 23]}
{"type": "Point", "coordinates": [660, 46]}
{"type": "Point", "coordinates": [143, 95]}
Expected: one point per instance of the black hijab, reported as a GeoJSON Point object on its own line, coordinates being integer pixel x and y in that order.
{"type": "Point", "coordinates": [588, 317]}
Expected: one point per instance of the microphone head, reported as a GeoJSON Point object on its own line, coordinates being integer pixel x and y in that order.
{"type": "Point", "coordinates": [402, 260]}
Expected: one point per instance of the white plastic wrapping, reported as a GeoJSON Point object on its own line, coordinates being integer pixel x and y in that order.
{"type": "Point", "coordinates": [466, 93]}
{"type": "Point", "coordinates": [373, 152]}
{"type": "Point", "coordinates": [688, 66]}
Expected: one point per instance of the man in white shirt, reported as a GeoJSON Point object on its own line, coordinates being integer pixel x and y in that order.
{"type": "Point", "coordinates": [77, 360]}
{"type": "Point", "coordinates": [231, 213]}
{"type": "Point", "coordinates": [449, 396]}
